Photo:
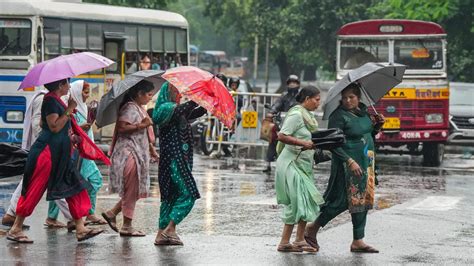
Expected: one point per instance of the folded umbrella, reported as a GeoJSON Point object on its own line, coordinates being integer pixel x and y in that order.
{"type": "Point", "coordinates": [328, 139]}
{"type": "Point", "coordinates": [12, 160]}
{"type": "Point", "coordinates": [62, 67]}
{"type": "Point", "coordinates": [109, 104]}
{"type": "Point", "coordinates": [374, 79]}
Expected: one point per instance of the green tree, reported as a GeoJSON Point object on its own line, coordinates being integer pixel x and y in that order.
{"type": "Point", "coordinates": [456, 16]}
{"type": "Point", "coordinates": [154, 4]}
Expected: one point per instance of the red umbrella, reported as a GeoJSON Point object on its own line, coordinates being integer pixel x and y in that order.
{"type": "Point", "coordinates": [205, 89]}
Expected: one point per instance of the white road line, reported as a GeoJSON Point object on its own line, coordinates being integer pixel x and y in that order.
{"type": "Point", "coordinates": [436, 203]}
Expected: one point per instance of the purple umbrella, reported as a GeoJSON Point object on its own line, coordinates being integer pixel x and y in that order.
{"type": "Point", "coordinates": [64, 66]}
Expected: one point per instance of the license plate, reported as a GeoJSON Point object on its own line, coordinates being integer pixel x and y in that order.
{"type": "Point", "coordinates": [391, 123]}
{"type": "Point", "coordinates": [468, 133]}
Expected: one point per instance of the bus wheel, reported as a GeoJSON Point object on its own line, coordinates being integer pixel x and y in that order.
{"type": "Point", "coordinates": [206, 148]}
{"type": "Point", "coordinates": [433, 154]}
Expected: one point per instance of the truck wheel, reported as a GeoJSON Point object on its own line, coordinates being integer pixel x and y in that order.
{"type": "Point", "coordinates": [433, 154]}
{"type": "Point", "coordinates": [206, 148]}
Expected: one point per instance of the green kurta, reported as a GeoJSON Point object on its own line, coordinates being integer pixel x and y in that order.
{"type": "Point", "coordinates": [294, 180]}
{"type": "Point", "coordinates": [359, 146]}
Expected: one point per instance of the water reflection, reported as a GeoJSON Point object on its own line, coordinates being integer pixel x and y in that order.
{"type": "Point", "coordinates": [209, 211]}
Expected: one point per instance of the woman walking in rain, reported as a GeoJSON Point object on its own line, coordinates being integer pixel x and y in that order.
{"type": "Point", "coordinates": [132, 148]}
{"type": "Point", "coordinates": [351, 184]}
{"type": "Point", "coordinates": [50, 166]}
{"type": "Point", "coordinates": [295, 186]}
{"type": "Point", "coordinates": [89, 171]}
{"type": "Point", "coordinates": [177, 185]}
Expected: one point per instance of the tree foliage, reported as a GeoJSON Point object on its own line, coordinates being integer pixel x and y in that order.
{"type": "Point", "coordinates": [155, 4]}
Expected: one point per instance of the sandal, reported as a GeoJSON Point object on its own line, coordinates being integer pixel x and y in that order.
{"type": "Point", "coordinates": [172, 240]}
{"type": "Point", "coordinates": [90, 234]}
{"type": "Point", "coordinates": [21, 238]}
{"type": "Point", "coordinates": [111, 221]}
{"type": "Point", "coordinates": [129, 231]}
{"type": "Point", "coordinates": [54, 224]}
{"type": "Point", "coordinates": [366, 249]}
{"type": "Point", "coordinates": [305, 246]}
{"type": "Point", "coordinates": [312, 241]}
{"type": "Point", "coordinates": [96, 221]}
{"type": "Point", "coordinates": [289, 248]}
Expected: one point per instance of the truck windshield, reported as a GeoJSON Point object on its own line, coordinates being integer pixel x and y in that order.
{"type": "Point", "coordinates": [355, 53]}
{"type": "Point", "coordinates": [15, 37]}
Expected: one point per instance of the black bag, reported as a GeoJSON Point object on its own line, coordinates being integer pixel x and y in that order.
{"type": "Point", "coordinates": [321, 156]}
{"type": "Point", "coordinates": [12, 160]}
{"type": "Point", "coordinates": [329, 139]}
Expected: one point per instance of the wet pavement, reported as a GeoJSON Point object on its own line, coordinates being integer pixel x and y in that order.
{"type": "Point", "coordinates": [422, 215]}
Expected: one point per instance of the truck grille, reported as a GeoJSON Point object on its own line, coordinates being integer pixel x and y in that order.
{"type": "Point", "coordinates": [463, 122]}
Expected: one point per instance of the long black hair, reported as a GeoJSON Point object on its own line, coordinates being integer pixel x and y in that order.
{"type": "Point", "coordinates": [307, 92]}
{"type": "Point", "coordinates": [52, 86]}
{"type": "Point", "coordinates": [143, 86]}
{"type": "Point", "coordinates": [354, 88]}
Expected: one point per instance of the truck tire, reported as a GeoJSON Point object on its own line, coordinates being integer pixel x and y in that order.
{"type": "Point", "coordinates": [433, 154]}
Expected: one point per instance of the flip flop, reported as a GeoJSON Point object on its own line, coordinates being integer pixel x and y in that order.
{"type": "Point", "coordinates": [289, 248]}
{"type": "Point", "coordinates": [99, 221]}
{"type": "Point", "coordinates": [132, 233]}
{"type": "Point", "coordinates": [24, 227]}
{"type": "Point", "coordinates": [312, 241]}
{"type": "Point", "coordinates": [19, 239]}
{"type": "Point", "coordinates": [112, 224]}
{"type": "Point", "coordinates": [55, 224]}
{"type": "Point", "coordinates": [305, 246]}
{"type": "Point", "coordinates": [366, 249]}
{"type": "Point", "coordinates": [172, 240]}
{"type": "Point", "coordinates": [90, 234]}
{"type": "Point", "coordinates": [162, 242]}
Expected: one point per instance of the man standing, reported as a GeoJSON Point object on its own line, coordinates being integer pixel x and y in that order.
{"type": "Point", "coordinates": [282, 104]}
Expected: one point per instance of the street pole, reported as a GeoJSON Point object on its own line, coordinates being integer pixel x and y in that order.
{"type": "Point", "coordinates": [267, 51]}
{"type": "Point", "coordinates": [255, 61]}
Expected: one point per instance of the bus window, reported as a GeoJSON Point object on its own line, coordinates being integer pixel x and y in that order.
{"type": "Point", "coordinates": [65, 33]}
{"type": "Point", "coordinates": [181, 42]}
{"type": "Point", "coordinates": [94, 36]}
{"type": "Point", "coordinates": [355, 53]}
{"type": "Point", "coordinates": [131, 62]}
{"type": "Point", "coordinates": [419, 54]}
{"type": "Point", "coordinates": [79, 36]}
{"type": "Point", "coordinates": [156, 61]}
{"type": "Point", "coordinates": [15, 37]}
{"type": "Point", "coordinates": [144, 39]}
{"type": "Point", "coordinates": [131, 41]}
{"type": "Point", "coordinates": [170, 44]}
{"type": "Point", "coordinates": [157, 40]}
{"type": "Point", "coordinates": [51, 43]}
{"type": "Point", "coordinates": [111, 52]}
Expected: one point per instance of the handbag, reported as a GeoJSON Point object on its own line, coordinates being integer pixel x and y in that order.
{"type": "Point", "coordinates": [328, 139]}
{"type": "Point", "coordinates": [266, 132]}
{"type": "Point", "coordinates": [321, 156]}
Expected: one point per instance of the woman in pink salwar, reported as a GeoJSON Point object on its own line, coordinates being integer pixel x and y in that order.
{"type": "Point", "coordinates": [132, 148]}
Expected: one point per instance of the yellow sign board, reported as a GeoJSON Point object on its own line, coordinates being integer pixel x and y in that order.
{"type": "Point", "coordinates": [391, 123]}
{"type": "Point", "coordinates": [419, 94]}
{"type": "Point", "coordinates": [249, 119]}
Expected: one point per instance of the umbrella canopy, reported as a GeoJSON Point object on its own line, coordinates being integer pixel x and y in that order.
{"type": "Point", "coordinates": [375, 79]}
{"type": "Point", "coordinates": [205, 89]}
{"type": "Point", "coordinates": [64, 66]}
{"type": "Point", "coordinates": [109, 103]}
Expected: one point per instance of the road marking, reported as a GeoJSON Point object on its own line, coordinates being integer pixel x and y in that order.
{"type": "Point", "coordinates": [436, 203]}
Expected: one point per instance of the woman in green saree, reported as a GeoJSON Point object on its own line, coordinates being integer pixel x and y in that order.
{"type": "Point", "coordinates": [295, 186]}
{"type": "Point", "coordinates": [352, 180]}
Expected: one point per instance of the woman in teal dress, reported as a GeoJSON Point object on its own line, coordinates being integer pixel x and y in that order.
{"type": "Point", "coordinates": [80, 91]}
{"type": "Point", "coordinates": [295, 186]}
{"type": "Point", "coordinates": [352, 180]}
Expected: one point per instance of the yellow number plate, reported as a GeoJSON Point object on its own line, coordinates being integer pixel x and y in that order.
{"type": "Point", "coordinates": [391, 123]}
{"type": "Point", "coordinates": [249, 119]}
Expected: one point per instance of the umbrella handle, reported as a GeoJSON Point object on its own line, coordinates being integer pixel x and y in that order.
{"type": "Point", "coordinates": [366, 95]}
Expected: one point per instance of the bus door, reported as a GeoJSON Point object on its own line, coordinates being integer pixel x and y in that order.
{"type": "Point", "coordinates": [114, 44]}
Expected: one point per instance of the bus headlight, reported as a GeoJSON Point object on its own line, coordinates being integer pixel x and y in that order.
{"type": "Point", "coordinates": [434, 118]}
{"type": "Point", "coordinates": [14, 116]}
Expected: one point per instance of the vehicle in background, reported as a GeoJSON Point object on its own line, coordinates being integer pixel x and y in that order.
{"type": "Point", "coordinates": [213, 61]}
{"type": "Point", "coordinates": [417, 110]}
{"type": "Point", "coordinates": [33, 31]}
{"type": "Point", "coordinates": [461, 113]}
{"type": "Point", "coordinates": [193, 55]}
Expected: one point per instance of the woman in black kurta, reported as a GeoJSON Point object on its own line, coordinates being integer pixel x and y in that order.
{"type": "Point", "coordinates": [177, 185]}
{"type": "Point", "coordinates": [50, 166]}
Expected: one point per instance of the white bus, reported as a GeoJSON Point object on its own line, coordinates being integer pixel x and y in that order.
{"type": "Point", "coordinates": [33, 31]}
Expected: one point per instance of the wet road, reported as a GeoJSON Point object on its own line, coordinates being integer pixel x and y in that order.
{"type": "Point", "coordinates": [422, 215]}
